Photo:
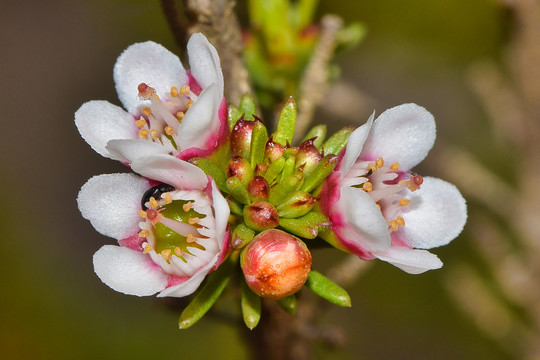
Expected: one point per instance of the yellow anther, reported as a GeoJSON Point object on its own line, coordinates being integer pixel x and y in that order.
{"type": "Point", "coordinates": [156, 96]}
{"type": "Point", "coordinates": [140, 123]}
{"type": "Point", "coordinates": [142, 213]}
{"type": "Point", "coordinates": [178, 251]}
{"type": "Point", "coordinates": [404, 202]}
{"type": "Point", "coordinates": [146, 111]}
{"type": "Point", "coordinates": [174, 91]}
{"type": "Point", "coordinates": [147, 248]}
{"type": "Point", "coordinates": [166, 254]}
{"type": "Point", "coordinates": [372, 167]}
{"type": "Point", "coordinates": [144, 233]}
{"type": "Point", "coordinates": [194, 220]}
{"type": "Point", "coordinates": [153, 203]}
{"type": "Point", "coordinates": [394, 166]}
{"type": "Point", "coordinates": [190, 238]}
{"type": "Point", "coordinates": [187, 206]}
{"type": "Point", "coordinates": [414, 183]}
{"type": "Point", "coordinates": [367, 186]}
{"type": "Point", "coordinates": [189, 103]}
{"type": "Point", "coordinates": [378, 205]}
{"type": "Point", "coordinates": [400, 221]}
{"type": "Point", "coordinates": [168, 130]}
{"type": "Point", "coordinates": [168, 198]}
{"type": "Point", "coordinates": [180, 115]}
{"type": "Point", "coordinates": [394, 225]}
{"type": "Point", "coordinates": [143, 133]}
{"type": "Point", "coordinates": [184, 90]}
{"type": "Point", "coordinates": [154, 134]}
{"type": "Point", "coordinates": [379, 162]}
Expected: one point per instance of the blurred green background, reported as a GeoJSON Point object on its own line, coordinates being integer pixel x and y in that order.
{"type": "Point", "coordinates": [55, 55]}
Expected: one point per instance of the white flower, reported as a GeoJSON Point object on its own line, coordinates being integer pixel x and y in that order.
{"type": "Point", "coordinates": [170, 244]}
{"type": "Point", "coordinates": [378, 208]}
{"type": "Point", "coordinates": [169, 110]}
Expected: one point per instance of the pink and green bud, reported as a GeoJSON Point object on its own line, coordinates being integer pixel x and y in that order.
{"type": "Point", "coordinates": [241, 138]}
{"type": "Point", "coordinates": [261, 216]}
{"type": "Point", "coordinates": [241, 168]}
{"type": "Point", "coordinates": [274, 150]}
{"type": "Point", "coordinates": [308, 157]}
{"type": "Point", "coordinates": [258, 188]}
{"type": "Point", "coordinates": [275, 264]}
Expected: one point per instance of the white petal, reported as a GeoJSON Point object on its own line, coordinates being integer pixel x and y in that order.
{"type": "Point", "coordinates": [168, 169]}
{"type": "Point", "coordinates": [204, 62]}
{"type": "Point", "coordinates": [188, 287]}
{"type": "Point", "coordinates": [148, 63]}
{"type": "Point", "coordinates": [128, 271]}
{"type": "Point", "coordinates": [403, 134]}
{"type": "Point", "coordinates": [436, 215]}
{"type": "Point", "coordinates": [355, 144]}
{"type": "Point", "coordinates": [409, 260]}
{"type": "Point", "coordinates": [131, 150]}
{"type": "Point", "coordinates": [222, 211]}
{"type": "Point", "coordinates": [201, 120]}
{"type": "Point", "coordinates": [100, 121]}
{"type": "Point", "coordinates": [365, 217]}
{"type": "Point", "coordinates": [111, 203]}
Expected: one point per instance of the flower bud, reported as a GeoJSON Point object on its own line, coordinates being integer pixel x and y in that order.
{"type": "Point", "coordinates": [241, 168]}
{"type": "Point", "coordinates": [258, 188]}
{"type": "Point", "coordinates": [308, 156]}
{"type": "Point", "coordinates": [261, 216]}
{"type": "Point", "coordinates": [275, 264]}
{"type": "Point", "coordinates": [241, 138]}
{"type": "Point", "coordinates": [273, 150]}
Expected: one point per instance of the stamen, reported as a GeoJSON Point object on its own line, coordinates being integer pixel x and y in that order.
{"type": "Point", "coordinates": [189, 103]}
{"type": "Point", "coordinates": [372, 167]}
{"type": "Point", "coordinates": [147, 248]}
{"type": "Point", "coordinates": [394, 225]}
{"type": "Point", "coordinates": [379, 162]}
{"type": "Point", "coordinates": [394, 166]}
{"type": "Point", "coordinates": [142, 213]}
{"type": "Point", "coordinates": [367, 186]}
{"type": "Point", "coordinates": [174, 91]}
{"type": "Point", "coordinates": [152, 214]}
{"type": "Point", "coordinates": [169, 130]}
{"type": "Point", "coordinates": [154, 134]}
{"type": "Point", "coordinates": [180, 115]}
{"type": "Point", "coordinates": [194, 220]}
{"type": "Point", "coordinates": [143, 133]}
{"type": "Point", "coordinates": [166, 254]}
{"type": "Point", "coordinates": [191, 238]}
{"type": "Point", "coordinates": [400, 221]}
{"type": "Point", "coordinates": [144, 233]}
{"type": "Point", "coordinates": [184, 90]}
{"type": "Point", "coordinates": [153, 203]}
{"type": "Point", "coordinates": [404, 202]}
{"type": "Point", "coordinates": [168, 198]}
{"type": "Point", "coordinates": [414, 183]}
{"type": "Point", "coordinates": [178, 251]}
{"type": "Point", "coordinates": [146, 111]}
{"type": "Point", "coordinates": [145, 91]}
{"type": "Point", "coordinates": [140, 123]}
{"type": "Point", "coordinates": [187, 206]}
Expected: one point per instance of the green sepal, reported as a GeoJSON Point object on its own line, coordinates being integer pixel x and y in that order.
{"type": "Point", "coordinates": [288, 168]}
{"type": "Point", "coordinates": [299, 203]}
{"type": "Point", "coordinates": [327, 289]}
{"type": "Point", "coordinates": [241, 236]}
{"type": "Point", "coordinates": [235, 207]}
{"type": "Point", "coordinates": [320, 173]}
{"type": "Point", "coordinates": [259, 137]}
{"type": "Point", "coordinates": [306, 226]}
{"type": "Point", "coordinates": [207, 296]}
{"type": "Point", "coordinates": [319, 133]}
{"type": "Point", "coordinates": [247, 107]}
{"type": "Point", "coordinates": [286, 123]}
{"type": "Point", "coordinates": [212, 170]}
{"type": "Point", "coordinates": [238, 190]}
{"type": "Point", "coordinates": [337, 142]}
{"type": "Point", "coordinates": [281, 190]}
{"type": "Point", "coordinates": [251, 306]}
{"type": "Point", "coordinates": [233, 114]}
{"type": "Point", "coordinates": [289, 304]}
{"type": "Point", "coordinates": [274, 169]}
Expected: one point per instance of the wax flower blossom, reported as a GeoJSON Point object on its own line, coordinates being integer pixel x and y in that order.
{"type": "Point", "coordinates": [172, 230]}
{"type": "Point", "coordinates": [169, 110]}
{"type": "Point", "coordinates": [378, 208]}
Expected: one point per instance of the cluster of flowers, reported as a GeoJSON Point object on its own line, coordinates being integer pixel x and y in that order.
{"type": "Point", "coordinates": [213, 184]}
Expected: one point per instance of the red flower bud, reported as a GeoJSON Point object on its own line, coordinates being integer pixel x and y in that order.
{"type": "Point", "coordinates": [258, 188]}
{"type": "Point", "coordinates": [241, 168]}
{"type": "Point", "coordinates": [241, 137]}
{"type": "Point", "coordinates": [275, 264]}
{"type": "Point", "coordinates": [261, 216]}
{"type": "Point", "coordinates": [274, 150]}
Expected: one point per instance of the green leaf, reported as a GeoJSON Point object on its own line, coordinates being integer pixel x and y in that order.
{"type": "Point", "coordinates": [233, 115]}
{"type": "Point", "coordinates": [281, 190]}
{"type": "Point", "coordinates": [289, 304]}
{"type": "Point", "coordinates": [259, 137]}
{"type": "Point", "coordinates": [306, 226]}
{"type": "Point", "coordinates": [207, 296]}
{"type": "Point", "coordinates": [320, 173]}
{"type": "Point", "coordinates": [337, 142]}
{"type": "Point", "coordinates": [212, 170]}
{"type": "Point", "coordinates": [238, 190]}
{"type": "Point", "coordinates": [327, 289]}
{"type": "Point", "coordinates": [241, 236]}
{"type": "Point", "coordinates": [274, 169]}
{"type": "Point", "coordinates": [247, 107]}
{"type": "Point", "coordinates": [251, 306]}
{"type": "Point", "coordinates": [286, 123]}
{"type": "Point", "coordinates": [319, 133]}
{"type": "Point", "coordinates": [296, 204]}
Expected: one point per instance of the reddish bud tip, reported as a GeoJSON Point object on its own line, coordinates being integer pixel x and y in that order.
{"type": "Point", "coordinates": [258, 188]}
{"type": "Point", "coordinates": [239, 167]}
{"type": "Point", "coordinates": [273, 150]}
{"type": "Point", "coordinates": [241, 137]}
{"type": "Point", "coordinates": [276, 264]}
{"type": "Point", "coordinates": [261, 216]}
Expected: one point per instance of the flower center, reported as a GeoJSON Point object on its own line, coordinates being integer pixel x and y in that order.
{"type": "Point", "coordinates": [387, 186]}
{"type": "Point", "coordinates": [159, 121]}
{"type": "Point", "coordinates": [172, 224]}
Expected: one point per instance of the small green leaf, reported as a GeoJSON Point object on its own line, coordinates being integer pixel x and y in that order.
{"type": "Point", "coordinates": [206, 297]}
{"type": "Point", "coordinates": [233, 115]}
{"type": "Point", "coordinates": [337, 142]}
{"type": "Point", "coordinates": [259, 137]}
{"type": "Point", "coordinates": [247, 107]}
{"type": "Point", "coordinates": [274, 169]}
{"type": "Point", "coordinates": [296, 204]}
{"type": "Point", "coordinates": [327, 289]}
{"type": "Point", "coordinates": [241, 236]}
{"type": "Point", "coordinates": [288, 169]}
{"type": "Point", "coordinates": [212, 170]}
{"type": "Point", "coordinates": [251, 306]}
{"type": "Point", "coordinates": [289, 304]}
{"type": "Point", "coordinates": [286, 123]}
{"type": "Point", "coordinates": [306, 226]}
{"type": "Point", "coordinates": [281, 190]}
{"type": "Point", "coordinates": [320, 173]}
{"type": "Point", "coordinates": [319, 133]}
{"type": "Point", "coordinates": [235, 207]}
{"type": "Point", "coordinates": [238, 190]}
